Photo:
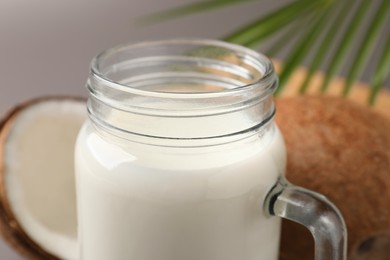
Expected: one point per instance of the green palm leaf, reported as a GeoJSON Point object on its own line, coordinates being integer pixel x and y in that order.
{"type": "Point", "coordinates": [344, 46]}
{"type": "Point", "coordinates": [253, 34]}
{"type": "Point", "coordinates": [321, 29]}
{"type": "Point", "coordinates": [367, 45]}
{"type": "Point", "coordinates": [325, 45]}
{"type": "Point", "coordinates": [302, 47]}
{"type": "Point", "coordinates": [289, 33]}
{"type": "Point", "coordinates": [381, 73]}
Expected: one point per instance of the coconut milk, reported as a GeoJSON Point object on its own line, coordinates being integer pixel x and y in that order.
{"type": "Point", "coordinates": [146, 202]}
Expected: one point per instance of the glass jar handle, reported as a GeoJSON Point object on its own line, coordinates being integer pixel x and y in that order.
{"type": "Point", "coordinates": [316, 213]}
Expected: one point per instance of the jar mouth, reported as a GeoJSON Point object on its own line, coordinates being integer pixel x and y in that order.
{"type": "Point", "coordinates": [181, 89]}
{"type": "Point", "coordinates": [251, 69]}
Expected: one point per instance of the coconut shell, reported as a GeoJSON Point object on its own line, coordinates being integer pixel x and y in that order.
{"type": "Point", "coordinates": [10, 229]}
{"type": "Point", "coordinates": [342, 150]}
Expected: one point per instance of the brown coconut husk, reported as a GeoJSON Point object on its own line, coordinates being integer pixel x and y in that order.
{"type": "Point", "coordinates": [342, 150]}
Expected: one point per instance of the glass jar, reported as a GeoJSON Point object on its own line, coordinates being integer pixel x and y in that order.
{"type": "Point", "coordinates": [181, 159]}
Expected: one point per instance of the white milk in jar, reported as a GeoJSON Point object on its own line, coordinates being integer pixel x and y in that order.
{"type": "Point", "coordinates": [178, 155]}
{"type": "Point", "coordinates": [165, 203]}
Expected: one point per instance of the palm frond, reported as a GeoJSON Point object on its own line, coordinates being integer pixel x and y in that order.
{"type": "Point", "coordinates": [302, 47]}
{"type": "Point", "coordinates": [321, 32]}
{"type": "Point", "coordinates": [326, 41]}
{"type": "Point", "coordinates": [253, 33]}
{"type": "Point", "coordinates": [381, 73]}
{"type": "Point", "coordinates": [344, 46]}
{"type": "Point", "coordinates": [365, 49]}
{"type": "Point", "coordinates": [292, 31]}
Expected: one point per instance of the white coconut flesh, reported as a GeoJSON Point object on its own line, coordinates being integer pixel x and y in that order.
{"type": "Point", "coordinates": [39, 174]}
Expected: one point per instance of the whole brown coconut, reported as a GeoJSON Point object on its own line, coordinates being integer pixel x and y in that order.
{"type": "Point", "coordinates": [342, 150]}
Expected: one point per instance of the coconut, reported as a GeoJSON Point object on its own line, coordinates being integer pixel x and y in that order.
{"type": "Point", "coordinates": [37, 186]}
{"type": "Point", "coordinates": [342, 150]}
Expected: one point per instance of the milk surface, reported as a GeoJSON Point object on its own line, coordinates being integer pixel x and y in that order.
{"type": "Point", "coordinates": [147, 202]}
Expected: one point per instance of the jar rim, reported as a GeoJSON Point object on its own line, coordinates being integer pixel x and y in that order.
{"type": "Point", "coordinates": [265, 82]}
{"type": "Point", "coordinates": [168, 88]}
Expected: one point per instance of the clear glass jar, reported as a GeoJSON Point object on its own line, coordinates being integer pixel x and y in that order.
{"type": "Point", "coordinates": [180, 158]}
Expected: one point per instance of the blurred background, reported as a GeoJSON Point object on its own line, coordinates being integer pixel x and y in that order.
{"type": "Point", "coordinates": [46, 45]}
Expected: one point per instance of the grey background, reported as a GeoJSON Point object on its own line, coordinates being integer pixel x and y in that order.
{"type": "Point", "coordinates": [46, 45]}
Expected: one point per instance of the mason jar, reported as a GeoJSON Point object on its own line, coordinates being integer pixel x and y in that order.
{"type": "Point", "coordinates": [181, 159]}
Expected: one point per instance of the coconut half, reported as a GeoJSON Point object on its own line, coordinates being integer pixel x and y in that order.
{"type": "Point", "coordinates": [37, 186]}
